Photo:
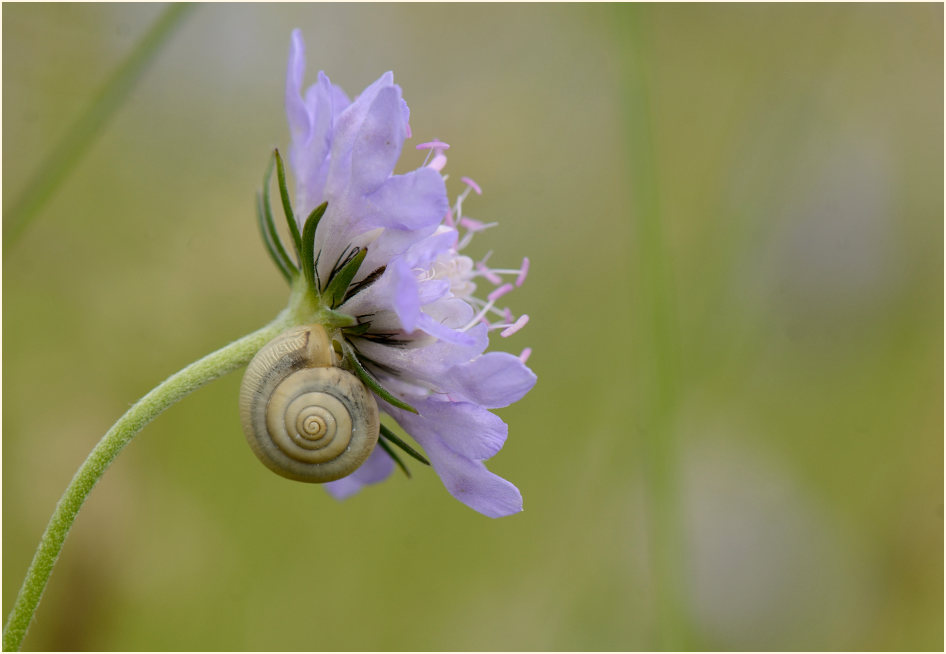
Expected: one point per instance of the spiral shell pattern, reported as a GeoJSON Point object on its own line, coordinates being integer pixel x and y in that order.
{"type": "Point", "coordinates": [304, 418]}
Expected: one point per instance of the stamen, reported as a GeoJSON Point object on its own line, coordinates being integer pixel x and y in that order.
{"type": "Point", "coordinates": [448, 219]}
{"type": "Point", "coordinates": [465, 240]}
{"type": "Point", "coordinates": [470, 224]}
{"type": "Point", "coordinates": [512, 329]}
{"type": "Point", "coordinates": [505, 314]}
{"type": "Point", "coordinates": [524, 356]}
{"type": "Point", "coordinates": [473, 185]}
{"type": "Point", "coordinates": [499, 292]}
{"type": "Point", "coordinates": [489, 274]}
{"type": "Point", "coordinates": [478, 317]}
{"type": "Point", "coordinates": [525, 270]}
{"type": "Point", "coordinates": [436, 144]}
{"type": "Point", "coordinates": [409, 133]}
{"type": "Point", "coordinates": [440, 160]}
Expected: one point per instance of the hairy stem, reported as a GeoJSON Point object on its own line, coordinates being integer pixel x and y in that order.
{"type": "Point", "coordinates": [174, 388]}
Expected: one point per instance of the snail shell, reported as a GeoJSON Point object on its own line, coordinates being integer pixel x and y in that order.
{"type": "Point", "coordinates": [303, 417]}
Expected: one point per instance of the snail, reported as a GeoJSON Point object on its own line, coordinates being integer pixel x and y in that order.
{"type": "Point", "coordinates": [304, 417]}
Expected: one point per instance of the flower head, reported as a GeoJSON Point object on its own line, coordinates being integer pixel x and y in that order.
{"type": "Point", "coordinates": [385, 270]}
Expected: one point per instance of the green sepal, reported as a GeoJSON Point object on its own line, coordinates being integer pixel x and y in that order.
{"type": "Point", "coordinates": [331, 318]}
{"type": "Point", "coordinates": [267, 215]}
{"type": "Point", "coordinates": [284, 268]}
{"type": "Point", "coordinates": [393, 455]}
{"type": "Point", "coordinates": [338, 285]}
{"type": "Point", "coordinates": [358, 330]}
{"type": "Point", "coordinates": [394, 438]}
{"type": "Point", "coordinates": [308, 247]}
{"type": "Point", "coordinates": [368, 380]}
{"type": "Point", "coordinates": [286, 204]}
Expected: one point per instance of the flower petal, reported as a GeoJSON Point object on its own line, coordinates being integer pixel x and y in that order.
{"type": "Point", "coordinates": [494, 380]}
{"type": "Point", "coordinates": [376, 468]}
{"type": "Point", "coordinates": [347, 129]}
{"type": "Point", "coordinates": [378, 143]}
{"type": "Point", "coordinates": [295, 107]}
{"type": "Point", "coordinates": [405, 296]}
{"type": "Point", "coordinates": [466, 479]}
{"type": "Point", "coordinates": [427, 363]}
{"type": "Point", "coordinates": [385, 245]}
{"type": "Point", "coordinates": [432, 326]}
{"type": "Point", "coordinates": [466, 428]}
{"type": "Point", "coordinates": [308, 153]}
{"type": "Point", "coordinates": [411, 201]}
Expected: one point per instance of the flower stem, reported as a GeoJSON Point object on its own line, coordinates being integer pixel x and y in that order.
{"type": "Point", "coordinates": [67, 153]}
{"type": "Point", "coordinates": [174, 388]}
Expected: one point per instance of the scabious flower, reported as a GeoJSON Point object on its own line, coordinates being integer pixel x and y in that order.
{"type": "Point", "coordinates": [422, 328]}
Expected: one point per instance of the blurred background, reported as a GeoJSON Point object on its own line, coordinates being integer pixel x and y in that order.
{"type": "Point", "coordinates": [735, 220]}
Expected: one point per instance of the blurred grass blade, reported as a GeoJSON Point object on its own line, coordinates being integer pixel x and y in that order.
{"type": "Point", "coordinates": [68, 151]}
{"type": "Point", "coordinates": [655, 334]}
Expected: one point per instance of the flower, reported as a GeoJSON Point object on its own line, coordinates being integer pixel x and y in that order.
{"type": "Point", "coordinates": [419, 331]}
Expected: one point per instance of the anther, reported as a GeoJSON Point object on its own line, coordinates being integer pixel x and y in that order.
{"type": "Point", "coordinates": [489, 274]}
{"type": "Point", "coordinates": [440, 160]}
{"type": "Point", "coordinates": [436, 144]}
{"type": "Point", "coordinates": [499, 292]}
{"type": "Point", "coordinates": [523, 271]}
{"type": "Point", "coordinates": [473, 185]}
{"type": "Point", "coordinates": [516, 326]}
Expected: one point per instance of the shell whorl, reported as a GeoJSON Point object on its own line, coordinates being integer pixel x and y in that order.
{"type": "Point", "coordinates": [303, 417]}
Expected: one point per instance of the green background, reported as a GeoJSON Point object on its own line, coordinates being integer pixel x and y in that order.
{"type": "Point", "coordinates": [735, 221]}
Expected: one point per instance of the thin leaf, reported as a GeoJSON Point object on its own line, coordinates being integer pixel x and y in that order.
{"type": "Point", "coordinates": [391, 436]}
{"type": "Point", "coordinates": [270, 223]}
{"type": "Point", "coordinates": [372, 383]}
{"type": "Point", "coordinates": [393, 455]}
{"type": "Point", "coordinates": [358, 330]}
{"type": "Point", "coordinates": [331, 318]}
{"type": "Point", "coordinates": [287, 205]}
{"type": "Point", "coordinates": [267, 241]}
{"type": "Point", "coordinates": [338, 285]}
{"type": "Point", "coordinates": [308, 246]}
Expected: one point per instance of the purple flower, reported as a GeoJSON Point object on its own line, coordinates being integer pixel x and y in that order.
{"type": "Point", "coordinates": [421, 329]}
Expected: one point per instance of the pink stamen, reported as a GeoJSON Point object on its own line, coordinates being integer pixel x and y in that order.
{"type": "Point", "coordinates": [526, 353]}
{"type": "Point", "coordinates": [507, 314]}
{"type": "Point", "coordinates": [516, 326]}
{"type": "Point", "coordinates": [473, 185]}
{"type": "Point", "coordinates": [472, 224]}
{"type": "Point", "coordinates": [433, 145]}
{"type": "Point", "coordinates": [499, 292]}
{"type": "Point", "coordinates": [448, 219]}
{"type": "Point", "coordinates": [409, 133]}
{"type": "Point", "coordinates": [489, 274]}
{"type": "Point", "coordinates": [523, 272]}
{"type": "Point", "coordinates": [440, 160]}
